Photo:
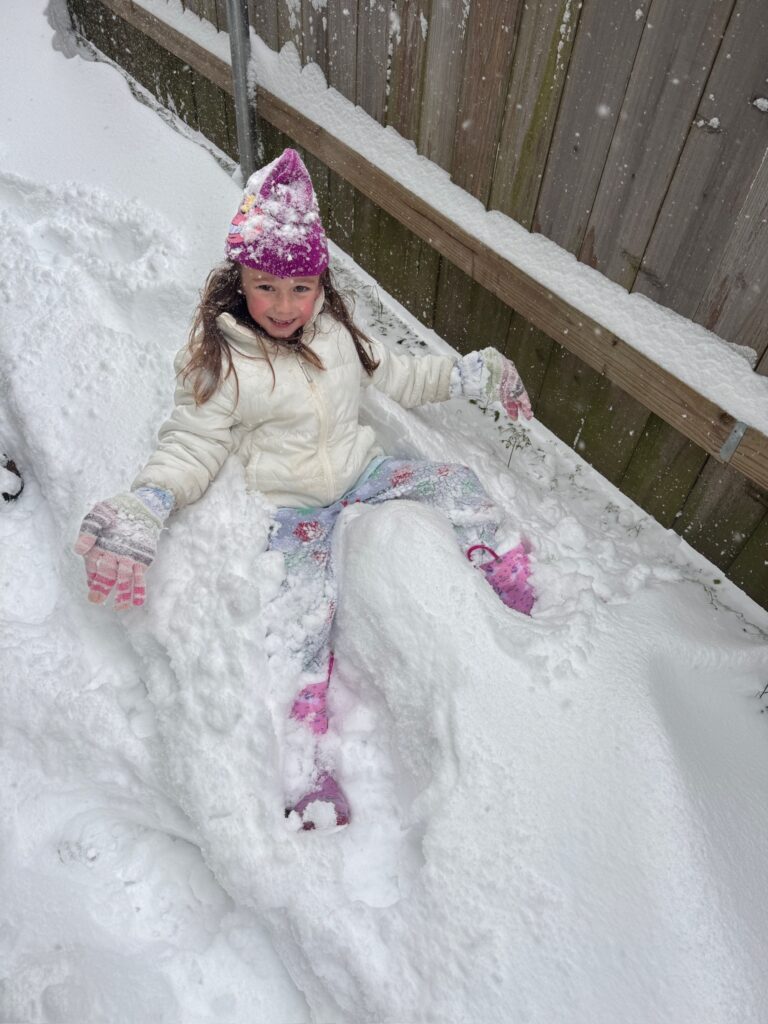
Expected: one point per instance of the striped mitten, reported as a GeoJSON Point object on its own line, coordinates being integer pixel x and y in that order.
{"type": "Point", "coordinates": [490, 377]}
{"type": "Point", "coordinates": [118, 540]}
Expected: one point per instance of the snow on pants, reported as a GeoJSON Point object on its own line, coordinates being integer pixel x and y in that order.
{"type": "Point", "coordinates": [302, 614]}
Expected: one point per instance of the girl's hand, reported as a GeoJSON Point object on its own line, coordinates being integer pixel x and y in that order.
{"type": "Point", "coordinates": [490, 377]}
{"type": "Point", "coordinates": [118, 540]}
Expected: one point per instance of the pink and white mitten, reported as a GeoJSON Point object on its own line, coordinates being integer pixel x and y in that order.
{"type": "Point", "coordinates": [488, 376]}
{"type": "Point", "coordinates": [118, 540]}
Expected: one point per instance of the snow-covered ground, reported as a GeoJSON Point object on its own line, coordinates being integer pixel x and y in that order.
{"type": "Point", "coordinates": [560, 818]}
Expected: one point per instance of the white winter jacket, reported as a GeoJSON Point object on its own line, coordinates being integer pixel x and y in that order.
{"type": "Point", "coordinates": [299, 439]}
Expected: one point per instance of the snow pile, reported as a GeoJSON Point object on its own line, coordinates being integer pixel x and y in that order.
{"type": "Point", "coordinates": [553, 815]}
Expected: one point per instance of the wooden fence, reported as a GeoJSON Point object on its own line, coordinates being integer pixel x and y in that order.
{"type": "Point", "coordinates": [631, 136]}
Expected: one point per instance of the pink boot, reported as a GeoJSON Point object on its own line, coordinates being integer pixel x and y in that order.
{"type": "Point", "coordinates": [323, 805]}
{"type": "Point", "coordinates": [311, 704]}
{"type": "Point", "coordinates": [325, 808]}
{"type": "Point", "coordinates": [508, 575]}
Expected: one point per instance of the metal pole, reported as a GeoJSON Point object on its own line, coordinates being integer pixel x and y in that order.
{"type": "Point", "coordinates": [245, 113]}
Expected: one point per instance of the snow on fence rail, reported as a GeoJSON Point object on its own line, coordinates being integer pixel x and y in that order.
{"type": "Point", "coordinates": [706, 390]}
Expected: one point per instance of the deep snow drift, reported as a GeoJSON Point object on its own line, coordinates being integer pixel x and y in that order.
{"type": "Point", "coordinates": [560, 817]}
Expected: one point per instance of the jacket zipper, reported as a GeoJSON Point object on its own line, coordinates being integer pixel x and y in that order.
{"type": "Point", "coordinates": [323, 440]}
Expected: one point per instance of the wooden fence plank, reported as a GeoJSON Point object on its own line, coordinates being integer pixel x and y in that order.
{"type": "Point", "coordinates": [710, 186]}
{"type": "Point", "coordinates": [604, 49]}
{"type": "Point", "coordinates": [212, 105]}
{"type": "Point", "coordinates": [263, 18]}
{"type": "Point", "coordinates": [222, 16]}
{"type": "Point", "coordinates": [403, 260]}
{"type": "Point", "coordinates": [203, 9]}
{"type": "Point", "coordinates": [314, 25]}
{"type": "Point", "coordinates": [663, 469]}
{"type": "Point", "coordinates": [669, 74]}
{"type": "Point", "coordinates": [371, 66]}
{"type": "Point", "coordinates": [342, 75]}
{"type": "Point", "coordinates": [289, 26]}
{"type": "Point", "coordinates": [750, 570]}
{"type": "Point", "coordinates": [734, 305]}
{"type": "Point", "coordinates": [446, 48]}
{"type": "Point", "coordinates": [530, 349]}
{"type": "Point", "coordinates": [371, 94]}
{"type": "Point", "coordinates": [409, 55]}
{"type": "Point", "coordinates": [542, 54]}
{"type": "Point", "coordinates": [342, 47]}
{"type": "Point", "coordinates": [490, 48]}
{"type": "Point", "coordinates": [721, 513]}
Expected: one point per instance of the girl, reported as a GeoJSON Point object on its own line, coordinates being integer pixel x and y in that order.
{"type": "Point", "coordinates": [273, 370]}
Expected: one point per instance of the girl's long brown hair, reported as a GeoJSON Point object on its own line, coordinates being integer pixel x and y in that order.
{"type": "Point", "coordinates": [210, 361]}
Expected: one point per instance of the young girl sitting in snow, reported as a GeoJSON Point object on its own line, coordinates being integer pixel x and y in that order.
{"type": "Point", "coordinates": [273, 370]}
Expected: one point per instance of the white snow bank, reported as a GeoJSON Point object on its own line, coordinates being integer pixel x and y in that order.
{"type": "Point", "coordinates": [711, 366]}
{"type": "Point", "coordinates": [556, 815]}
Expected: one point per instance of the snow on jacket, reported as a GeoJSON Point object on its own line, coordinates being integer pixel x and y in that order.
{"type": "Point", "coordinates": [300, 440]}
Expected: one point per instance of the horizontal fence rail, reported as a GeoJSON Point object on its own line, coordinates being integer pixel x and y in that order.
{"type": "Point", "coordinates": [690, 413]}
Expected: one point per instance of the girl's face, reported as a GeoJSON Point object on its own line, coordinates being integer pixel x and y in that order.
{"type": "Point", "coordinates": [279, 305]}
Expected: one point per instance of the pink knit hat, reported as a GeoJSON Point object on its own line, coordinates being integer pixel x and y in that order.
{"type": "Point", "coordinates": [277, 226]}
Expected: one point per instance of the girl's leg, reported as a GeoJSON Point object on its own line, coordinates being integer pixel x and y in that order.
{"type": "Point", "coordinates": [456, 491]}
{"type": "Point", "coordinates": [302, 616]}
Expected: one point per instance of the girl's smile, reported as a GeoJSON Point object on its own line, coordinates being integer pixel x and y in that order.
{"type": "Point", "coordinates": [279, 305]}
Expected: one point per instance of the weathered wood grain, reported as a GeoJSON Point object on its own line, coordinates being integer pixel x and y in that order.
{"type": "Point", "coordinates": [718, 165]}
{"type": "Point", "coordinates": [409, 53]}
{"type": "Point", "coordinates": [289, 26]}
{"type": "Point", "coordinates": [603, 54]}
{"type": "Point", "coordinates": [371, 66]}
{"type": "Point", "coordinates": [401, 258]}
{"type": "Point", "coordinates": [721, 513]}
{"type": "Point", "coordinates": [446, 46]}
{"type": "Point", "coordinates": [313, 27]}
{"type": "Point", "coordinates": [203, 9]}
{"type": "Point", "coordinates": [263, 18]}
{"type": "Point", "coordinates": [662, 471]}
{"type": "Point", "coordinates": [222, 16]}
{"type": "Point", "coordinates": [670, 71]}
{"type": "Point", "coordinates": [341, 41]}
{"type": "Point", "coordinates": [750, 569]}
{"type": "Point", "coordinates": [490, 48]}
{"type": "Point", "coordinates": [734, 304]}
{"type": "Point", "coordinates": [211, 102]}
{"type": "Point", "coordinates": [342, 47]}
{"type": "Point", "coordinates": [542, 54]}
{"type": "Point", "coordinates": [181, 46]}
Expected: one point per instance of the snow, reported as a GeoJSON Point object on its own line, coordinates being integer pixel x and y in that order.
{"type": "Point", "coordinates": [719, 371]}
{"type": "Point", "coordinates": [560, 817]}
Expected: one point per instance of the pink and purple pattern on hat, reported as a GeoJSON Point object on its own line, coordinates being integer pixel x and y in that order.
{"type": "Point", "coordinates": [277, 226]}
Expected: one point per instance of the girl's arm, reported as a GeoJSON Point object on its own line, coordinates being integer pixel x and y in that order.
{"type": "Point", "coordinates": [193, 443]}
{"type": "Point", "coordinates": [118, 538]}
{"type": "Point", "coordinates": [485, 376]}
{"type": "Point", "coordinates": [410, 380]}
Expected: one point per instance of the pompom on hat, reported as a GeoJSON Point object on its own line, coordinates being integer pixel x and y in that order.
{"type": "Point", "coordinates": [277, 226]}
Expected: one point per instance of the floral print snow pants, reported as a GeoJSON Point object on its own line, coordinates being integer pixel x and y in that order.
{"type": "Point", "coordinates": [305, 608]}
{"type": "Point", "coordinates": [301, 615]}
